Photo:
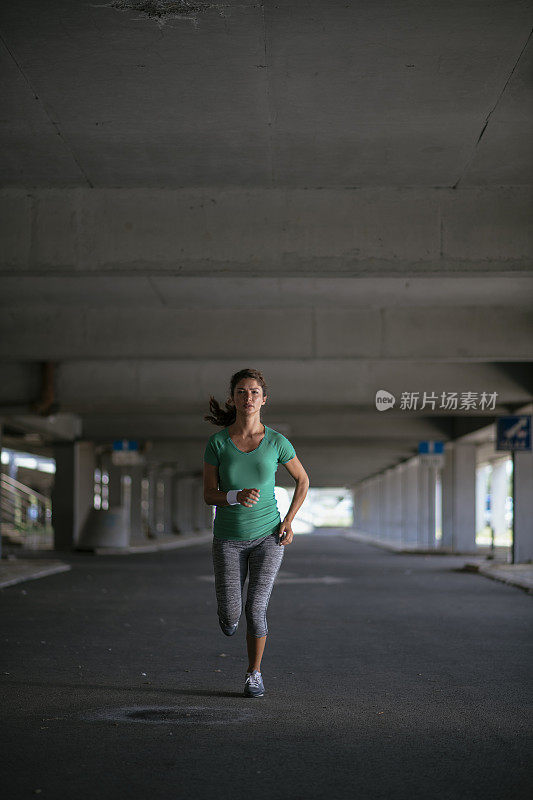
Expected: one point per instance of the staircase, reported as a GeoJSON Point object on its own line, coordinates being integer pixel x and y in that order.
{"type": "Point", "coordinates": [25, 517]}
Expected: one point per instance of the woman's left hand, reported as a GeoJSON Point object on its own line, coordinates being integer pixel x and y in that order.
{"type": "Point", "coordinates": [285, 533]}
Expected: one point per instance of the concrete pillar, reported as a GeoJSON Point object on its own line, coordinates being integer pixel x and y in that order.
{"type": "Point", "coordinates": [135, 473]}
{"type": "Point", "coordinates": [396, 505]}
{"type": "Point", "coordinates": [498, 496]}
{"type": "Point", "coordinates": [206, 511]}
{"type": "Point", "coordinates": [183, 512]}
{"type": "Point", "coordinates": [357, 492]}
{"type": "Point", "coordinates": [360, 509]}
{"type": "Point", "coordinates": [158, 494]}
{"type": "Point", "coordinates": [459, 497]}
{"type": "Point", "coordinates": [523, 507]}
{"type": "Point", "coordinates": [72, 492]}
{"type": "Point", "coordinates": [410, 502]}
{"type": "Point", "coordinates": [482, 473]}
{"type": "Point", "coordinates": [380, 506]}
{"type": "Point", "coordinates": [197, 511]}
{"type": "Point", "coordinates": [175, 505]}
{"type": "Point", "coordinates": [151, 511]}
{"type": "Point", "coordinates": [115, 481]}
{"type": "Point", "coordinates": [377, 501]}
{"type": "Point", "coordinates": [438, 508]}
{"type": "Point", "coordinates": [426, 506]}
{"type": "Point", "coordinates": [115, 485]}
{"type": "Point", "coordinates": [198, 505]}
{"type": "Point", "coordinates": [373, 520]}
{"type": "Point", "coordinates": [1, 435]}
{"type": "Point", "coordinates": [387, 532]}
{"type": "Point", "coordinates": [166, 481]}
{"type": "Point", "coordinates": [366, 509]}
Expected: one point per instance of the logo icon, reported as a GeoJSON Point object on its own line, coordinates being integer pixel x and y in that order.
{"type": "Point", "coordinates": [384, 400]}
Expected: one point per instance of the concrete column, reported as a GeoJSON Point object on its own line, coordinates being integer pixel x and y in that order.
{"type": "Point", "coordinates": [115, 480]}
{"type": "Point", "coordinates": [115, 485]}
{"type": "Point", "coordinates": [366, 508]}
{"type": "Point", "coordinates": [438, 508]}
{"type": "Point", "coordinates": [72, 492]}
{"type": "Point", "coordinates": [360, 508]}
{"type": "Point", "coordinates": [459, 497]}
{"type": "Point", "coordinates": [184, 518]}
{"type": "Point", "coordinates": [175, 505]}
{"type": "Point", "coordinates": [151, 515]}
{"type": "Point", "coordinates": [396, 505]}
{"type": "Point", "coordinates": [380, 506]}
{"type": "Point", "coordinates": [372, 507]}
{"type": "Point", "coordinates": [167, 481]}
{"type": "Point", "coordinates": [135, 473]}
{"type": "Point", "coordinates": [197, 500]}
{"type": "Point", "coordinates": [523, 508]}
{"type": "Point", "coordinates": [426, 506]}
{"type": "Point", "coordinates": [410, 502]}
{"type": "Point", "coordinates": [498, 495]}
{"type": "Point", "coordinates": [387, 504]}
{"type": "Point", "coordinates": [202, 513]}
{"type": "Point", "coordinates": [207, 513]}
{"type": "Point", "coordinates": [377, 503]}
{"type": "Point", "coordinates": [357, 492]}
{"type": "Point", "coordinates": [1, 435]}
{"type": "Point", "coordinates": [482, 473]}
{"type": "Point", "coordinates": [158, 492]}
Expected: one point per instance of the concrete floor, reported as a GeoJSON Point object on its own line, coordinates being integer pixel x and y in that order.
{"type": "Point", "coordinates": [387, 676]}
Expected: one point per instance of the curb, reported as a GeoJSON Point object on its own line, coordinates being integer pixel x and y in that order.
{"type": "Point", "coordinates": [39, 568]}
{"type": "Point", "coordinates": [31, 571]}
{"type": "Point", "coordinates": [518, 575]}
{"type": "Point", "coordinates": [154, 547]}
{"type": "Point", "coordinates": [388, 544]}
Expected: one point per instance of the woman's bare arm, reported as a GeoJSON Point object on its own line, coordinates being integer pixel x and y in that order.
{"type": "Point", "coordinates": [295, 468]}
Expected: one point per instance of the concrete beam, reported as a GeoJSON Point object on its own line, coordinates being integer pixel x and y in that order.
{"type": "Point", "coordinates": [483, 334]}
{"type": "Point", "coordinates": [125, 291]}
{"type": "Point", "coordinates": [265, 231]}
{"type": "Point", "coordinates": [303, 385]}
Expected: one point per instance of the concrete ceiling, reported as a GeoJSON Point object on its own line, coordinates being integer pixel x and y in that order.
{"type": "Point", "coordinates": [338, 194]}
{"type": "Point", "coordinates": [301, 93]}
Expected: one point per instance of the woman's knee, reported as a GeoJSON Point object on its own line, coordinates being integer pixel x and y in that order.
{"type": "Point", "coordinates": [255, 627]}
{"type": "Point", "coordinates": [256, 618]}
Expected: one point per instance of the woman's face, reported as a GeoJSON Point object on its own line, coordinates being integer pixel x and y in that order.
{"type": "Point", "coordinates": [248, 396]}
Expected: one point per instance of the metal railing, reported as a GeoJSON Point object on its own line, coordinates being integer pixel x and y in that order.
{"type": "Point", "coordinates": [25, 516]}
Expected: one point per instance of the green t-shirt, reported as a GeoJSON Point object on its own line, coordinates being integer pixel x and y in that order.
{"type": "Point", "coordinates": [254, 470]}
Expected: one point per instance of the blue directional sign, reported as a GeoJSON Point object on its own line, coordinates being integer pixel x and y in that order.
{"type": "Point", "coordinates": [514, 433]}
{"type": "Point", "coordinates": [430, 448]}
{"type": "Point", "coordinates": [125, 444]}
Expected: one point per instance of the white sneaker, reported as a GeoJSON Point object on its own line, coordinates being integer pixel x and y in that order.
{"type": "Point", "coordinates": [253, 686]}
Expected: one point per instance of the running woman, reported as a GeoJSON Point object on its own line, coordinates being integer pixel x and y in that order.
{"type": "Point", "coordinates": [249, 536]}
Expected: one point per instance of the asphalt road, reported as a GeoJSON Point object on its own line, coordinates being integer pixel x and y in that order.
{"type": "Point", "coordinates": [387, 676]}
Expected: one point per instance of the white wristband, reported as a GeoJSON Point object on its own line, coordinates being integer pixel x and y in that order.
{"type": "Point", "coordinates": [231, 497]}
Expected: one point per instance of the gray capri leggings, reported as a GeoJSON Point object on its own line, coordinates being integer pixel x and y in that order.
{"type": "Point", "coordinates": [232, 560]}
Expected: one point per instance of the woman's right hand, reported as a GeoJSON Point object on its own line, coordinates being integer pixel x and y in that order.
{"type": "Point", "coordinates": [247, 497]}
